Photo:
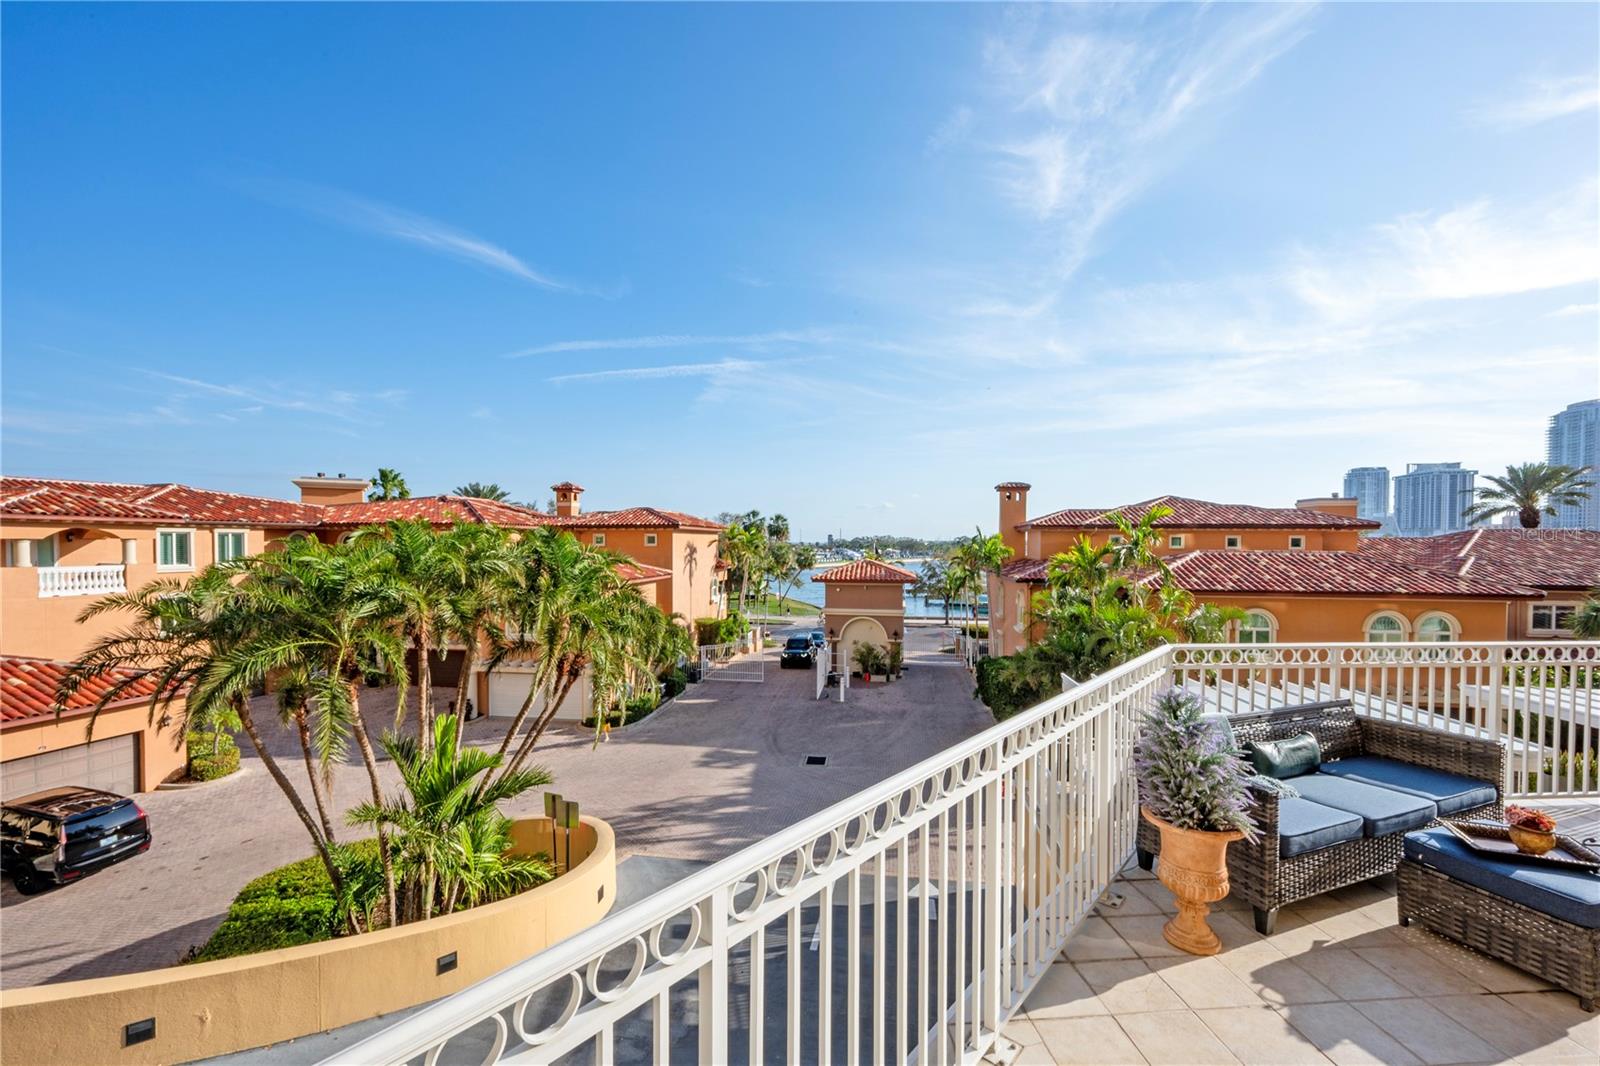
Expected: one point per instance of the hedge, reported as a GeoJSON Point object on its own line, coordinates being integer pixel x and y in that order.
{"type": "Point", "coordinates": [289, 906]}
{"type": "Point", "coordinates": [204, 765]}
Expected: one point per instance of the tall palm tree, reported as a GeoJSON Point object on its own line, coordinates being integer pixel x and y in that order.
{"type": "Point", "coordinates": [477, 582]}
{"type": "Point", "coordinates": [187, 634]}
{"type": "Point", "coordinates": [418, 564]}
{"type": "Point", "coordinates": [978, 557]}
{"type": "Point", "coordinates": [778, 527]}
{"type": "Point", "coordinates": [1586, 619]}
{"type": "Point", "coordinates": [743, 545]}
{"type": "Point", "coordinates": [1529, 491]}
{"type": "Point", "coordinates": [389, 485]}
{"type": "Point", "coordinates": [479, 490]}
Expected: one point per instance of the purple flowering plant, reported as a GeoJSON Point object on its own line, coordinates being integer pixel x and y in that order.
{"type": "Point", "coordinates": [1189, 773]}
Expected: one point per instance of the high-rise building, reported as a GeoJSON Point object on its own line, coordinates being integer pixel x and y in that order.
{"type": "Point", "coordinates": [1369, 485]}
{"type": "Point", "coordinates": [1575, 441]}
{"type": "Point", "coordinates": [1430, 497]}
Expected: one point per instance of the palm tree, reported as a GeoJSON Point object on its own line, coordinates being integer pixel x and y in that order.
{"type": "Point", "coordinates": [188, 634]}
{"type": "Point", "coordinates": [778, 527]}
{"type": "Point", "coordinates": [418, 564]}
{"type": "Point", "coordinates": [479, 577]}
{"type": "Point", "coordinates": [451, 842]}
{"type": "Point", "coordinates": [743, 545]}
{"type": "Point", "coordinates": [1586, 619]}
{"type": "Point", "coordinates": [389, 485]}
{"type": "Point", "coordinates": [479, 490]}
{"type": "Point", "coordinates": [1529, 491]}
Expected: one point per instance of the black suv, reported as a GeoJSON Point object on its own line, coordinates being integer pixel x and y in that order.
{"type": "Point", "coordinates": [797, 651]}
{"type": "Point", "coordinates": [57, 836]}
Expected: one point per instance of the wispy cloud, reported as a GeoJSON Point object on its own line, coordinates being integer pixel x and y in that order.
{"type": "Point", "coordinates": [395, 223]}
{"type": "Point", "coordinates": [1573, 310]}
{"type": "Point", "coordinates": [721, 368]}
{"type": "Point", "coordinates": [674, 340]}
{"type": "Point", "coordinates": [1083, 106]}
{"type": "Point", "coordinates": [343, 404]}
{"type": "Point", "coordinates": [1542, 99]}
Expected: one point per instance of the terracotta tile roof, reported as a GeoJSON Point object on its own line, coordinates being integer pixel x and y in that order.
{"type": "Point", "coordinates": [1564, 559]}
{"type": "Point", "coordinates": [1027, 571]}
{"type": "Point", "coordinates": [1202, 514]}
{"type": "Point", "coordinates": [28, 688]}
{"type": "Point", "coordinates": [866, 572]}
{"type": "Point", "coordinates": [638, 518]}
{"type": "Point", "coordinates": [1326, 573]}
{"type": "Point", "coordinates": [439, 510]}
{"type": "Point", "coordinates": [642, 574]}
{"type": "Point", "coordinates": [59, 500]}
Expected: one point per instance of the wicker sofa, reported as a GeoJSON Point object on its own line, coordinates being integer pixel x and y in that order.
{"type": "Point", "coordinates": [1378, 781]}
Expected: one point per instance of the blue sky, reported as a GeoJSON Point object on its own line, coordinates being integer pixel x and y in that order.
{"type": "Point", "coordinates": [852, 263]}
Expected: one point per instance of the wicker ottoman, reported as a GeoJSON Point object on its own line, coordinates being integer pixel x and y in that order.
{"type": "Point", "coordinates": [1543, 920]}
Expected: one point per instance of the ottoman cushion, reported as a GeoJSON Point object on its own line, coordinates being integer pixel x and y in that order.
{"type": "Point", "coordinates": [1382, 810]}
{"type": "Point", "coordinates": [1571, 895]}
{"type": "Point", "coordinates": [1450, 792]}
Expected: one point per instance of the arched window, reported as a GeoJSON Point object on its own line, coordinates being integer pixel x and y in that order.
{"type": "Point", "coordinates": [1438, 627]}
{"type": "Point", "coordinates": [1386, 627]}
{"type": "Point", "coordinates": [1258, 627]}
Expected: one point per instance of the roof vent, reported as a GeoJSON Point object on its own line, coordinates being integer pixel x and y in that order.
{"type": "Point", "coordinates": [816, 760]}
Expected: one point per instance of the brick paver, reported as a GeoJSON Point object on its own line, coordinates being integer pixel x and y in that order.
{"type": "Point", "coordinates": [716, 770]}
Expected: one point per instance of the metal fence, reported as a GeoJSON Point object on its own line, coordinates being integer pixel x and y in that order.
{"type": "Point", "coordinates": [908, 922]}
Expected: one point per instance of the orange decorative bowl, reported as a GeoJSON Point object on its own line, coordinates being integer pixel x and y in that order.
{"type": "Point", "coordinates": [1531, 841]}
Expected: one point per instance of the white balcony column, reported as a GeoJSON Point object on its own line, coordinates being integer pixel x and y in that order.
{"type": "Point", "coordinates": [130, 551]}
{"type": "Point", "coordinates": [22, 552]}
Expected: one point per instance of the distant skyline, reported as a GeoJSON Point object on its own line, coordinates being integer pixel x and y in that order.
{"type": "Point", "coordinates": [852, 263]}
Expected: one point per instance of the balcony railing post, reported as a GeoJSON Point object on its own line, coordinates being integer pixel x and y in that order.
{"type": "Point", "coordinates": [1497, 673]}
{"type": "Point", "coordinates": [712, 1001]}
{"type": "Point", "coordinates": [993, 952]}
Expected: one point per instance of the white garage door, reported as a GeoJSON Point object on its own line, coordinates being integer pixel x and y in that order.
{"type": "Point", "coordinates": [111, 764]}
{"type": "Point", "coordinates": [508, 690]}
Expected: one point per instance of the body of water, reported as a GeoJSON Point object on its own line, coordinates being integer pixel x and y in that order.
{"type": "Point", "coordinates": [808, 591]}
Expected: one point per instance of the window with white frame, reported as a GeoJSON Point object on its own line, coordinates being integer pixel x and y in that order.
{"type": "Point", "coordinates": [1297, 542]}
{"type": "Point", "coordinates": [1233, 540]}
{"type": "Point", "coordinates": [1438, 627]}
{"type": "Point", "coordinates": [230, 545]}
{"type": "Point", "coordinates": [174, 549]}
{"type": "Point", "coordinates": [1551, 617]}
{"type": "Point", "coordinates": [1257, 627]}
{"type": "Point", "coordinates": [599, 540]}
{"type": "Point", "coordinates": [649, 540]}
{"type": "Point", "coordinates": [1386, 628]}
{"type": "Point", "coordinates": [42, 552]}
{"type": "Point", "coordinates": [1175, 540]}
{"type": "Point", "coordinates": [1022, 609]}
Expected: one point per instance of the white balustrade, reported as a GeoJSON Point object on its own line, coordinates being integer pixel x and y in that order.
{"type": "Point", "coordinates": [908, 922]}
{"type": "Point", "coordinates": [81, 580]}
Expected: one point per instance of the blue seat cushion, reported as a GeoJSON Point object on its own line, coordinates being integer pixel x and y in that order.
{"type": "Point", "coordinates": [1305, 826]}
{"type": "Point", "coordinates": [1449, 792]}
{"type": "Point", "coordinates": [1571, 895]}
{"type": "Point", "coordinates": [1382, 810]}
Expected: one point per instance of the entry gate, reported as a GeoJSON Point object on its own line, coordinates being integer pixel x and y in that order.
{"type": "Point", "coordinates": [825, 668]}
{"type": "Point", "coordinates": [731, 662]}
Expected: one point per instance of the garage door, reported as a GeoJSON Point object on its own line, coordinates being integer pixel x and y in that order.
{"type": "Point", "coordinates": [507, 690]}
{"type": "Point", "coordinates": [111, 764]}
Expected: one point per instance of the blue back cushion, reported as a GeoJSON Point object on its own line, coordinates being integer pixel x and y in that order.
{"type": "Point", "coordinates": [1571, 895]}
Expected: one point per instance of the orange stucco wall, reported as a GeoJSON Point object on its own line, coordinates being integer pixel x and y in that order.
{"type": "Point", "coordinates": [692, 558]}
{"type": "Point", "coordinates": [1300, 618]}
{"type": "Point", "coordinates": [849, 602]}
{"type": "Point", "coordinates": [161, 752]}
{"type": "Point", "coordinates": [1045, 542]}
{"type": "Point", "coordinates": [49, 627]}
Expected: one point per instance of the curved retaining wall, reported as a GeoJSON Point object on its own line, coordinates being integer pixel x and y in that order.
{"type": "Point", "coordinates": [212, 1008]}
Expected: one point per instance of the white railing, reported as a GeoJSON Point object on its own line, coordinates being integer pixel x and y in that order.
{"type": "Point", "coordinates": [81, 580]}
{"type": "Point", "coordinates": [908, 922]}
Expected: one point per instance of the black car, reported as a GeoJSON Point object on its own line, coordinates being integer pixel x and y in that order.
{"type": "Point", "coordinates": [818, 638]}
{"type": "Point", "coordinates": [61, 834]}
{"type": "Point", "coordinates": [797, 651]}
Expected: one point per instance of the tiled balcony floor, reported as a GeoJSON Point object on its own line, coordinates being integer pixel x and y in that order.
{"type": "Point", "coordinates": [1339, 981]}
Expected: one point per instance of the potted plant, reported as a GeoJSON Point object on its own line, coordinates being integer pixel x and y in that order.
{"type": "Point", "coordinates": [1532, 831]}
{"type": "Point", "coordinates": [1193, 788]}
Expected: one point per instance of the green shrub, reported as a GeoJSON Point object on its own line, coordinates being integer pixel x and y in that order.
{"type": "Point", "coordinates": [212, 755]}
{"type": "Point", "coordinates": [676, 680]}
{"type": "Point", "coordinates": [1013, 683]}
{"type": "Point", "coordinates": [630, 711]}
{"type": "Point", "coordinates": [291, 905]}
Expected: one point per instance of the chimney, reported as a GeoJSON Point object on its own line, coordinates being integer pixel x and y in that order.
{"type": "Point", "coordinates": [1013, 512]}
{"type": "Point", "coordinates": [1335, 504]}
{"type": "Point", "coordinates": [567, 498]}
{"type": "Point", "coordinates": [324, 490]}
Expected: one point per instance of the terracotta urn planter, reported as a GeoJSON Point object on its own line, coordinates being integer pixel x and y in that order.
{"type": "Point", "coordinates": [1194, 865]}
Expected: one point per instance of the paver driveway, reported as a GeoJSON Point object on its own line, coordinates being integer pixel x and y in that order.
{"type": "Point", "coordinates": [718, 769]}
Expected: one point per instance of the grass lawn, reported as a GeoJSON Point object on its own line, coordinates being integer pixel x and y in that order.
{"type": "Point", "coordinates": [768, 605]}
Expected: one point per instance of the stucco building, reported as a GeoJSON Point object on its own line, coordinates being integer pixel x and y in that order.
{"type": "Point", "coordinates": [864, 602]}
{"type": "Point", "coordinates": [1303, 573]}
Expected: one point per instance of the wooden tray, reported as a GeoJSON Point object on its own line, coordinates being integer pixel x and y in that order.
{"type": "Point", "coordinates": [1493, 838]}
